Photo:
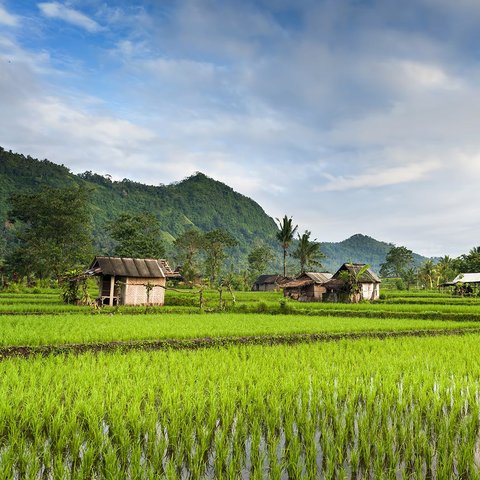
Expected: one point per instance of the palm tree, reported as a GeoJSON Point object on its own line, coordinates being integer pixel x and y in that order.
{"type": "Point", "coordinates": [307, 251]}
{"type": "Point", "coordinates": [427, 273]}
{"type": "Point", "coordinates": [285, 237]}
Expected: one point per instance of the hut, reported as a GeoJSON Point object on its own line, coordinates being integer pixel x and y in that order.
{"type": "Point", "coordinates": [338, 289]}
{"type": "Point", "coordinates": [308, 287]}
{"type": "Point", "coordinates": [268, 283]}
{"type": "Point", "coordinates": [464, 284]}
{"type": "Point", "coordinates": [131, 281]}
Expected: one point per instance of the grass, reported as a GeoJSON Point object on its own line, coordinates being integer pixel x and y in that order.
{"type": "Point", "coordinates": [392, 408]}
{"type": "Point", "coordinates": [75, 328]}
{"type": "Point", "coordinates": [402, 408]}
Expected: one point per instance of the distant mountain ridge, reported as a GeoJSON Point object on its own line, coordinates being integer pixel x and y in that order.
{"type": "Point", "coordinates": [197, 201]}
{"type": "Point", "coordinates": [359, 249]}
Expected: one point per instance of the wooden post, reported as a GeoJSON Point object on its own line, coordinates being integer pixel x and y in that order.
{"type": "Point", "coordinates": [112, 290]}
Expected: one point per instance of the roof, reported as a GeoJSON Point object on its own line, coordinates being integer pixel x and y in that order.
{"type": "Point", "coordinates": [335, 284]}
{"type": "Point", "coordinates": [262, 279]}
{"type": "Point", "coordinates": [367, 277]}
{"type": "Point", "coordinates": [130, 267]}
{"type": "Point", "coordinates": [308, 278]}
{"type": "Point", "coordinates": [465, 278]}
{"type": "Point", "coordinates": [319, 277]}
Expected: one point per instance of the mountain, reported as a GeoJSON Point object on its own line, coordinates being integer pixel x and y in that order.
{"type": "Point", "coordinates": [359, 249]}
{"type": "Point", "coordinates": [197, 201]}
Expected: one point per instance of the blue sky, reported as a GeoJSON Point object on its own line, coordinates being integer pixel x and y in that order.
{"type": "Point", "coordinates": [350, 115]}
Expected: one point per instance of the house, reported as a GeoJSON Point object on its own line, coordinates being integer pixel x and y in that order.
{"type": "Point", "coordinates": [308, 287]}
{"type": "Point", "coordinates": [339, 289]}
{"type": "Point", "coordinates": [464, 283]}
{"type": "Point", "coordinates": [268, 283]}
{"type": "Point", "coordinates": [131, 281]}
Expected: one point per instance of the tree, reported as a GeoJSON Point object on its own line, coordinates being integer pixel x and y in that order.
{"type": "Point", "coordinates": [214, 245]}
{"type": "Point", "coordinates": [470, 263]}
{"type": "Point", "coordinates": [137, 236]}
{"type": "Point", "coordinates": [285, 236]}
{"type": "Point", "coordinates": [188, 246]}
{"type": "Point", "coordinates": [258, 259]}
{"type": "Point", "coordinates": [447, 269]}
{"type": "Point", "coordinates": [427, 274]}
{"type": "Point", "coordinates": [397, 261]}
{"type": "Point", "coordinates": [308, 252]}
{"type": "Point", "coordinates": [53, 230]}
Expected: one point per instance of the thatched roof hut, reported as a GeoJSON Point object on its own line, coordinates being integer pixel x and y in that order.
{"type": "Point", "coordinates": [269, 283]}
{"type": "Point", "coordinates": [131, 281]}
{"type": "Point", "coordinates": [308, 287]}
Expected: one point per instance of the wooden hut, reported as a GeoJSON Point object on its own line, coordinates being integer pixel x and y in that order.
{"type": "Point", "coordinates": [268, 283]}
{"type": "Point", "coordinates": [131, 281]}
{"type": "Point", "coordinates": [308, 287]}
{"type": "Point", "coordinates": [337, 289]}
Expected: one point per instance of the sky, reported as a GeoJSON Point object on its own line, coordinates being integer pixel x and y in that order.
{"type": "Point", "coordinates": [351, 116]}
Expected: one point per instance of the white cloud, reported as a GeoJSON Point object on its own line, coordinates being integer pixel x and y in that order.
{"type": "Point", "coordinates": [424, 75]}
{"type": "Point", "coordinates": [381, 177]}
{"type": "Point", "coordinates": [7, 18]}
{"type": "Point", "coordinates": [69, 15]}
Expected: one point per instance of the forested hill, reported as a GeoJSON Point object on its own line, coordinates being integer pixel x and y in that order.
{"type": "Point", "coordinates": [359, 249]}
{"type": "Point", "coordinates": [196, 201]}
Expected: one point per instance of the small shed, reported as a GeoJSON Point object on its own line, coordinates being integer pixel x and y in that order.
{"type": "Point", "coordinates": [464, 283]}
{"type": "Point", "coordinates": [268, 283]}
{"type": "Point", "coordinates": [131, 281]}
{"type": "Point", "coordinates": [308, 287]}
{"type": "Point", "coordinates": [337, 288]}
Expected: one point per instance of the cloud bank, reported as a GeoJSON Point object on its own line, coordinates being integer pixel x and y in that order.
{"type": "Point", "coordinates": [350, 116]}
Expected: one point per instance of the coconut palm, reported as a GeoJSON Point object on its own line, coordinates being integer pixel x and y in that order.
{"type": "Point", "coordinates": [308, 251]}
{"type": "Point", "coordinates": [285, 236]}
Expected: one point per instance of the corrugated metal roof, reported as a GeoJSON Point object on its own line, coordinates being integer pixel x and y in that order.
{"type": "Point", "coordinates": [128, 267]}
{"type": "Point", "coordinates": [466, 278]}
{"type": "Point", "coordinates": [307, 279]}
{"type": "Point", "coordinates": [319, 277]}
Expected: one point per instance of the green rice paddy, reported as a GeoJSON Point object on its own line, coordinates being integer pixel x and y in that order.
{"type": "Point", "coordinates": [403, 407]}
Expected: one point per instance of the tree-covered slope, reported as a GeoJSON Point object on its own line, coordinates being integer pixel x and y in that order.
{"type": "Point", "coordinates": [198, 201]}
{"type": "Point", "coordinates": [359, 249]}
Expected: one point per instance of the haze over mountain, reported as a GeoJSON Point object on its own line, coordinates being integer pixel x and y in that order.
{"type": "Point", "coordinates": [197, 201]}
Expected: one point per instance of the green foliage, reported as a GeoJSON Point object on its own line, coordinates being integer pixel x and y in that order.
{"type": "Point", "coordinates": [397, 262]}
{"type": "Point", "coordinates": [258, 259]}
{"type": "Point", "coordinates": [215, 243]}
{"type": "Point", "coordinates": [75, 288]}
{"type": "Point", "coordinates": [137, 236]}
{"type": "Point", "coordinates": [352, 278]}
{"type": "Point", "coordinates": [359, 249]}
{"type": "Point", "coordinates": [53, 231]}
{"type": "Point", "coordinates": [308, 252]}
{"type": "Point", "coordinates": [470, 262]}
{"type": "Point", "coordinates": [188, 246]}
{"type": "Point", "coordinates": [198, 202]}
{"type": "Point", "coordinates": [284, 235]}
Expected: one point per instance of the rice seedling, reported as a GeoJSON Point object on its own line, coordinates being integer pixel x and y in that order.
{"type": "Point", "coordinates": [400, 408]}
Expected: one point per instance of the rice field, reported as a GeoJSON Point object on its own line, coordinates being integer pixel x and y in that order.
{"type": "Point", "coordinates": [362, 408]}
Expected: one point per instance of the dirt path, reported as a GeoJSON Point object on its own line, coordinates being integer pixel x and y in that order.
{"type": "Point", "coordinates": [210, 342]}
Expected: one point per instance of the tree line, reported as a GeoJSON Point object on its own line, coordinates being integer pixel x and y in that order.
{"type": "Point", "coordinates": [52, 231]}
{"type": "Point", "coordinates": [399, 264]}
